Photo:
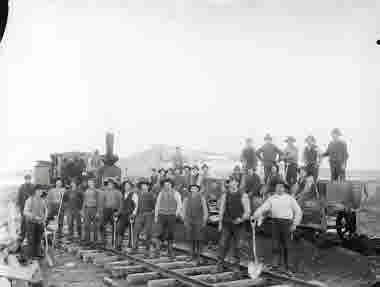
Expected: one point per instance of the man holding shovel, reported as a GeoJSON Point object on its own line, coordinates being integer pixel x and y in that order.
{"type": "Point", "coordinates": [54, 200]}
{"type": "Point", "coordinates": [286, 215]}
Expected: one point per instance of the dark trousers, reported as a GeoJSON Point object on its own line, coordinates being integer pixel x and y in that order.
{"type": "Point", "coordinates": [291, 173]}
{"type": "Point", "coordinates": [231, 236]}
{"type": "Point", "coordinates": [122, 224]}
{"type": "Point", "coordinates": [337, 172]}
{"type": "Point", "coordinates": [143, 222]}
{"type": "Point", "coordinates": [267, 172]}
{"type": "Point", "coordinates": [53, 211]}
{"type": "Point", "coordinates": [165, 227]}
{"type": "Point", "coordinates": [107, 218]}
{"type": "Point", "coordinates": [34, 235]}
{"type": "Point", "coordinates": [313, 169]}
{"type": "Point", "coordinates": [281, 236]}
{"type": "Point", "coordinates": [73, 217]}
{"type": "Point", "coordinates": [90, 223]}
{"type": "Point", "coordinates": [22, 229]}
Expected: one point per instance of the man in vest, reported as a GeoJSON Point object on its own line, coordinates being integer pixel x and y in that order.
{"type": "Point", "coordinates": [179, 179]}
{"type": "Point", "coordinates": [248, 156]}
{"type": "Point", "coordinates": [311, 157]}
{"type": "Point", "coordinates": [187, 175]}
{"type": "Point", "coordinates": [338, 156]}
{"type": "Point", "coordinates": [91, 210]}
{"type": "Point", "coordinates": [126, 214]}
{"type": "Point", "coordinates": [205, 181]}
{"type": "Point", "coordinates": [269, 154]}
{"type": "Point", "coordinates": [178, 159]}
{"type": "Point", "coordinates": [234, 210]}
{"type": "Point", "coordinates": [55, 204]}
{"type": "Point", "coordinates": [290, 158]}
{"type": "Point", "coordinates": [145, 214]}
{"type": "Point", "coordinates": [24, 192]}
{"type": "Point", "coordinates": [168, 208]}
{"type": "Point", "coordinates": [112, 200]}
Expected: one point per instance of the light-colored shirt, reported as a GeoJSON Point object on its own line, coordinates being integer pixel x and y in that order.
{"type": "Point", "coordinates": [178, 199]}
{"type": "Point", "coordinates": [291, 154]}
{"type": "Point", "coordinates": [244, 201]}
{"type": "Point", "coordinates": [281, 206]}
{"type": "Point", "coordinates": [35, 208]}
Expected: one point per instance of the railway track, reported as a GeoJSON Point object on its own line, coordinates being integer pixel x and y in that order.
{"type": "Point", "coordinates": [141, 269]}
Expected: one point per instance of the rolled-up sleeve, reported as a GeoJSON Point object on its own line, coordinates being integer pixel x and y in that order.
{"type": "Point", "coordinates": [297, 212]}
{"type": "Point", "coordinates": [262, 209]}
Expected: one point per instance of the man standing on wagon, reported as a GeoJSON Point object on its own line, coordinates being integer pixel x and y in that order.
{"type": "Point", "coordinates": [269, 154]}
{"type": "Point", "coordinates": [311, 157]}
{"type": "Point", "coordinates": [248, 156]}
{"type": "Point", "coordinates": [290, 158]}
{"type": "Point", "coordinates": [338, 156]}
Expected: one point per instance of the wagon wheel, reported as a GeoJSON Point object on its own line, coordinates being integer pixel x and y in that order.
{"type": "Point", "coordinates": [346, 225]}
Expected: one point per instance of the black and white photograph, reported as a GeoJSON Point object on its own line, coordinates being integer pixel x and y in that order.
{"type": "Point", "coordinates": [197, 143]}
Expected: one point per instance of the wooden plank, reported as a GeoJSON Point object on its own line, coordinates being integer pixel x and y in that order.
{"type": "Point", "coordinates": [243, 283]}
{"type": "Point", "coordinates": [177, 265]}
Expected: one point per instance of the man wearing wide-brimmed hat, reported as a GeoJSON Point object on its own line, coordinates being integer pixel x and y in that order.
{"type": "Point", "coordinates": [311, 157]}
{"type": "Point", "coordinates": [338, 156]}
{"type": "Point", "coordinates": [145, 213]}
{"type": "Point", "coordinates": [269, 154]}
{"type": "Point", "coordinates": [290, 158]}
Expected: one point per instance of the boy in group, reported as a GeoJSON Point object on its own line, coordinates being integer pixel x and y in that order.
{"type": "Point", "coordinates": [55, 204]}
{"type": "Point", "coordinates": [338, 156]}
{"type": "Point", "coordinates": [234, 210]}
{"type": "Point", "coordinates": [286, 214]}
{"type": "Point", "coordinates": [269, 154]}
{"type": "Point", "coordinates": [91, 210]}
{"type": "Point", "coordinates": [195, 213]}
{"type": "Point", "coordinates": [248, 156]}
{"type": "Point", "coordinates": [112, 200]}
{"type": "Point", "coordinates": [290, 158]}
{"type": "Point", "coordinates": [145, 214]}
{"type": "Point", "coordinates": [35, 212]}
{"type": "Point", "coordinates": [168, 208]}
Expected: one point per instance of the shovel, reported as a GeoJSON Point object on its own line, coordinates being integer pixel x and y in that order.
{"type": "Point", "coordinates": [254, 268]}
{"type": "Point", "coordinates": [114, 231]}
{"type": "Point", "coordinates": [131, 220]}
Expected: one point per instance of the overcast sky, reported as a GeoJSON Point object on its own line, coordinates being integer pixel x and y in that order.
{"type": "Point", "coordinates": [201, 74]}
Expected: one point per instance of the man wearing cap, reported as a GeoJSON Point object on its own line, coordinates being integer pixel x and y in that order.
{"type": "Point", "coordinates": [154, 177]}
{"type": "Point", "coordinates": [248, 156]}
{"type": "Point", "coordinates": [127, 213]}
{"type": "Point", "coordinates": [311, 157]}
{"type": "Point", "coordinates": [286, 214]}
{"type": "Point", "coordinates": [54, 200]}
{"type": "Point", "coordinates": [168, 208]}
{"type": "Point", "coordinates": [269, 154]}
{"type": "Point", "coordinates": [290, 158]}
{"type": "Point", "coordinates": [91, 210]}
{"type": "Point", "coordinates": [195, 177]}
{"type": "Point", "coordinates": [234, 210]}
{"type": "Point", "coordinates": [74, 202]}
{"type": "Point", "coordinates": [24, 192]}
{"type": "Point", "coordinates": [205, 180]}
{"type": "Point", "coordinates": [112, 200]}
{"type": "Point", "coordinates": [145, 213]}
{"type": "Point", "coordinates": [338, 156]}
{"type": "Point", "coordinates": [179, 179]}
{"type": "Point", "coordinates": [187, 175]}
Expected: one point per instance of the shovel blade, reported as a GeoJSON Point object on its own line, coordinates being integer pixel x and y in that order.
{"type": "Point", "coordinates": [254, 270]}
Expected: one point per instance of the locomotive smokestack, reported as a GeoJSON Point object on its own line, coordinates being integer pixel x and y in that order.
{"type": "Point", "coordinates": [109, 144]}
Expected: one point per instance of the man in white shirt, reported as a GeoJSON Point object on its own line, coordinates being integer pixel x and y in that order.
{"type": "Point", "coordinates": [286, 215]}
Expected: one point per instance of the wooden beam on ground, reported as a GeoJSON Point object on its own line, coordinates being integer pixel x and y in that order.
{"type": "Point", "coordinates": [167, 259]}
{"type": "Point", "coordinates": [121, 271]}
{"type": "Point", "coordinates": [110, 282]}
{"type": "Point", "coordinates": [177, 265]}
{"type": "Point", "coordinates": [210, 278]}
{"type": "Point", "coordinates": [100, 261]}
{"type": "Point", "coordinates": [243, 283]}
{"type": "Point", "coordinates": [143, 278]}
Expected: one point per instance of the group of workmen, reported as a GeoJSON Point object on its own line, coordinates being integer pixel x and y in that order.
{"type": "Point", "coordinates": [154, 206]}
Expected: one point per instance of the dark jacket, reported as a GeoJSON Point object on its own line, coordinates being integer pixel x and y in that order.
{"type": "Point", "coordinates": [249, 157]}
{"type": "Point", "coordinates": [73, 199]}
{"type": "Point", "coordinates": [23, 194]}
{"type": "Point", "coordinates": [337, 152]}
{"type": "Point", "coordinates": [252, 184]}
{"type": "Point", "coordinates": [269, 154]}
